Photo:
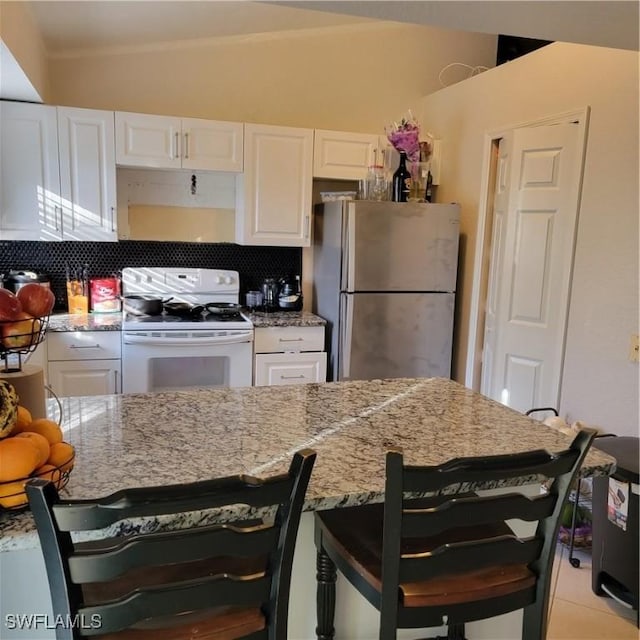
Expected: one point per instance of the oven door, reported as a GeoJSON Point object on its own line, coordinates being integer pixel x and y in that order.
{"type": "Point", "coordinates": [171, 360]}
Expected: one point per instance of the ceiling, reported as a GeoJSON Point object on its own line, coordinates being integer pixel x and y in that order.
{"type": "Point", "coordinates": [70, 28]}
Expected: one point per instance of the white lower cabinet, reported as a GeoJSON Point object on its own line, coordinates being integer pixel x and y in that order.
{"type": "Point", "coordinates": [84, 363]}
{"type": "Point", "coordinates": [289, 355]}
{"type": "Point", "coordinates": [290, 368]}
{"type": "Point", "coordinates": [85, 377]}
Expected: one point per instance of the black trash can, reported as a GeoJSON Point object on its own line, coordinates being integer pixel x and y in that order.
{"type": "Point", "coordinates": [615, 537]}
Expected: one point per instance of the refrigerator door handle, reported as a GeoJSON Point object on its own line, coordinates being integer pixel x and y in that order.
{"type": "Point", "coordinates": [348, 242]}
{"type": "Point", "coordinates": [346, 334]}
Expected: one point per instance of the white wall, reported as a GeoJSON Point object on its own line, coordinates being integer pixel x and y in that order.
{"type": "Point", "coordinates": [20, 34]}
{"type": "Point", "coordinates": [352, 78]}
{"type": "Point", "coordinates": [600, 385]}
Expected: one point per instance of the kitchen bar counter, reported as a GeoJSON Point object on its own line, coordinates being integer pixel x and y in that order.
{"type": "Point", "coordinates": [150, 439]}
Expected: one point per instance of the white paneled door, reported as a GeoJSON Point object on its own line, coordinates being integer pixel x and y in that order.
{"type": "Point", "coordinates": [535, 216]}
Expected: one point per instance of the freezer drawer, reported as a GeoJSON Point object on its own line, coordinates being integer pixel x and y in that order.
{"type": "Point", "coordinates": [395, 335]}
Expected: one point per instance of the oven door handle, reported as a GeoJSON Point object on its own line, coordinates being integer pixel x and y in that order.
{"type": "Point", "coordinates": [181, 342]}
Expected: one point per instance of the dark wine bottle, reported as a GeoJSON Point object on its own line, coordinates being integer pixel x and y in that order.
{"type": "Point", "coordinates": [401, 180]}
{"type": "Point", "coordinates": [428, 195]}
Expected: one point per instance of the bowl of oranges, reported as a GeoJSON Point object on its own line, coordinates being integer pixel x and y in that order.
{"type": "Point", "coordinates": [32, 449]}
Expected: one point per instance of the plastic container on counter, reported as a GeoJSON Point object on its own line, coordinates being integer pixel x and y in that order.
{"type": "Point", "coordinates": [105, 295]}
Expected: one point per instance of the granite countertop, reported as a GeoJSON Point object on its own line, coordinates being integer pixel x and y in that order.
{"type": "Point", "coordinates": [85, 322]}
{"type": "Point", "coordinates": [113, 321]}
{"type": "Point", "coordinates": [285, 319]}
{"type": "Point", "coordinates": [151, 439]}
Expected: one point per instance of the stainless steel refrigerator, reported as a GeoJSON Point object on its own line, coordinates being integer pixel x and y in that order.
{"type": "Point", "coordinates": [385, 281]}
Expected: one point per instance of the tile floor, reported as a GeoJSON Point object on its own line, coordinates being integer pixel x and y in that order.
{"type": "Point", "coordinates": [577, 613]}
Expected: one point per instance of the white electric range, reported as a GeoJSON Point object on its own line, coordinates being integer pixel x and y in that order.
{"type": "Point", "coordinates": [202, 349]}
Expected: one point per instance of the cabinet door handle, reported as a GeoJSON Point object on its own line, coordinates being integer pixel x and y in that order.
{"type": "Point", "coordinates": [84, 346]}
{"type": "Point", "coordinates": [300, 377]}
{"type": "Point", "coordinates": [57, 212]}
{"type": "Point", "coordinates": [186, 146]}
{"type": "Point", "coordinates": [176, 142]}
{"type": "Point", "coordinates": [115, 381]}
{"type": "Point", "coordinates": [290, 339]}
{"type": "Point", "coordinates": [113, 218]}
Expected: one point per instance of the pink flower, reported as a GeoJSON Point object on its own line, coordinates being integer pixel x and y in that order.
{"type": "Point", "coordinates": [405, 137]}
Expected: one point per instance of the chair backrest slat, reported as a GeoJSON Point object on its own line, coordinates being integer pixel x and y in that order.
{"type": "Point", "coordinates": [84, 515]}
{"type": "Point", "coordinates": [175, 599]}
{"type": "Point", "coordinates": [154, 549]}
{"type": "Point", "coordinates": [471, 511]}
{"type": "Point", "coordinates": [247, 560]}
{"type": "Point", "coordinates": [489, 468]}
{"type": "Point", "coordinates": [469, 556]}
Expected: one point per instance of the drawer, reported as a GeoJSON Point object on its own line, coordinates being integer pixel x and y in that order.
{"type": "Point", "coordinates": [287, 339]}
{"type": "Point", "coordinates": [83, 345]}
{"type": "Point", "coordinates": [290, 368]}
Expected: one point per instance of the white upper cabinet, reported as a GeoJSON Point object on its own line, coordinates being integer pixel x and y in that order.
{"type": "Point", "coordinates": [58, 173]}
{"type": "Point", "coordinates": [87, 174]}
{"type": "Point", "coordinates": [343, 155]}
{"type": "Point", "coordinates": [178, 143]}
{"type": "Point", "coordinates": [212, 145]}
{"type": "Point", "coordinates": [274, 194]}
{"type": "Point", "coordinates": [29, 174]}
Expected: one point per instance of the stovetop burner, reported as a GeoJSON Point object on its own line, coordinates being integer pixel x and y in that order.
{"type": "Point", "coordinates": [174, 319]}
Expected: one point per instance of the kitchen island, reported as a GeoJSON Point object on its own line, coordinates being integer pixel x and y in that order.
{"type": "Point", "coordinates": [151, 439]}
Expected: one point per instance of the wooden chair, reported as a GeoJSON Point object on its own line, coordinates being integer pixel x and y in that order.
{"type": "Point", "coordinates": [418, 560]}
{"type": "Point", "coordinates": [221, 581]}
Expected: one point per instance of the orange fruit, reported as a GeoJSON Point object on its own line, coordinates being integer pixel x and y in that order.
{"type": "Point", "coordinates": [48, 472]}
{"type": "Point", "coordinates": [47, 428]}
{"type": "Point", "coordinates": [12, 494]}
{"type": "Point", "coordinates": [61, 456]}
{"type": "Point", "coordinates": [18, 458]}
{"type": "Point", "coordinates": [42, 444]}
{"type": "Point", "coordinates": [24, 419]}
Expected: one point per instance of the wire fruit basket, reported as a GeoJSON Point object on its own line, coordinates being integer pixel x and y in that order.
{"type": "Point", "coordinates": [12, 493]}
{"type": "Point", "coordinates": [19, 338]}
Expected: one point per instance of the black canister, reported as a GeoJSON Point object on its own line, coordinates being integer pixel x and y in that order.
{"type": "Point", "coordinates": [290, 295]}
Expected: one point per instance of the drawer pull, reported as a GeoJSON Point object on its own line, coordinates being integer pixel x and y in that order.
{"type": "Point", "coordinates": [84, 346]}
{"type": "Point", "coordinates": [300, 377]}
{"type": "Point", "coordinates": [291, 339]}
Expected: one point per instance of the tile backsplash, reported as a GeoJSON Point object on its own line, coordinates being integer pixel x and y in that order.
{"type": "Point", "coordinates": [108, 258]}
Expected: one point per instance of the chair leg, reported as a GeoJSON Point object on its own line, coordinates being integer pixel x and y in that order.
{"type": "Point", "coordinates": [534, 621]}
{"type": "Point", "coordinates": [325, 595]}
{"type": "Point", "coordinates": [456, 631]}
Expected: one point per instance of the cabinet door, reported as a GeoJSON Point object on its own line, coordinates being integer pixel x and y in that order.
{"type": "Point", "coordinates": [342, 155]}
{"type": "Point", "coordinates": [290, 368]}
{"type": "Point", "coordinates": [29, 174]}
{"type": "Point", "coordinates": [212, 145]}
{"type": "Point", "coordinates": [85, 377]}
{"type": "Point", "coordinates": [87, 174]}
{"type": "Point", "coordinates": [147, 141]}
{"type": "Point", "coordinates": [274, 193]}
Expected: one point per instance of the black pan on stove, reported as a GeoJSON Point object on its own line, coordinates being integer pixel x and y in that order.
{"type": "Point", "coordinates": [183, 309]}
{"type": "Point", "coordinates": [224, 309]}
